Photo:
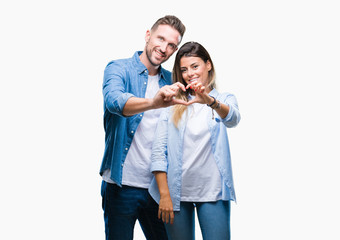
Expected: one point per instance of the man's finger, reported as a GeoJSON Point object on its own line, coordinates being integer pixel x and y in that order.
{"type": "Point", "coordinates": [180, 101]}
{"type": "Point", "coordinates": [181, 86]}
{"type": "Point", "coordinates": [167, 94]}
{"type": "Point", "coordinates": [192, 101]}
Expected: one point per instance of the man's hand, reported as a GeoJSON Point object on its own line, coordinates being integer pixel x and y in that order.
{"type": "Point", "coordinates": [166, 96]}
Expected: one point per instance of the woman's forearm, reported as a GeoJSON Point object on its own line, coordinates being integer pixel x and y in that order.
{"type": "Point", "coordinates": [165, 210]}
{"type": "Point", "coordinates": [162, 182]}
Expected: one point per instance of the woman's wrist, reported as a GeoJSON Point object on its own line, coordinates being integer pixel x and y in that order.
{"type": "Point", "coordinates": [217, 105]}
{"type": "Point", "coordinates": [213, 101]}
{"type": "Point", "coordinates": [165, 194]}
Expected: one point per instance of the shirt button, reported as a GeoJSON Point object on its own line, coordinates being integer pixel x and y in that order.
{"type": "Point", "coordinates": [141, 115]}
{"type": "Point", "coordinates": [122, 164]}
{"type": "Point", "coordinates": [131, 131]}
{"type": "Point", "coordinates": [145, 83]}
{"type": "Point", "coordinates": [126, 149]}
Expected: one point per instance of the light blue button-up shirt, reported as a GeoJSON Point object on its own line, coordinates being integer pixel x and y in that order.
{"type": "Point", "coordinates": [123, 78]}
{"type": "Point", "coordinates": [167, 150]}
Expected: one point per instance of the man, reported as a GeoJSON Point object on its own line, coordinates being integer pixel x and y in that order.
{"type": "Point", "coordinates": [135, 90]}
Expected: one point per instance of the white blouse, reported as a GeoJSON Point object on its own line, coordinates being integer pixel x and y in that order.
{"type": "Point", "coordinates": [201, 179]}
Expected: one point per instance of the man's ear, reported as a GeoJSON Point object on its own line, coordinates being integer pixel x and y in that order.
{"type": "Point", "coordinates": [147, 36]}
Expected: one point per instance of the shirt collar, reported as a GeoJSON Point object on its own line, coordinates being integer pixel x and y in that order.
{"type": "Point", "coordinates": [141, 67]}
{"type": "Point", "coordinates": [213, 92]}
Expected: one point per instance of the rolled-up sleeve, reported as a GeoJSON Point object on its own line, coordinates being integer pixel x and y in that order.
{"type": "Point", "coordinates": [233, 117]}
{"type": "Point", "coordinates": [114, 88]}
{"type": "Point", "coordinates": [159, 160]}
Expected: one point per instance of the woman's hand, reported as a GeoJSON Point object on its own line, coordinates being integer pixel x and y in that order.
{"type": "Point", "coordinates": [201, 93]}
{"type": "Point", "coordinates": [203, 97]}
{"type": "Point", "coordinates": [165, 210]}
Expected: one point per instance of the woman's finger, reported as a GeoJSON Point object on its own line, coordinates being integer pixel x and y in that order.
{"type": "Point", "coordinates": [172, 216]}
{"type": "Point", "coordinates": [167, 217]}
{"type": "Point", "coordinates": [163, 216]}
{"type": "Point", "coordinates": [159, 213]}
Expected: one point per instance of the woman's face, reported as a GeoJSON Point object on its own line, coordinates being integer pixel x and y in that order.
{"type": "Point", "coordinates": [195, 69]}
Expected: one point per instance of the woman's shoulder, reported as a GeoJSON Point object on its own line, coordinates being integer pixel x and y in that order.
{"type": "Point", "coordinates": [222, 95]}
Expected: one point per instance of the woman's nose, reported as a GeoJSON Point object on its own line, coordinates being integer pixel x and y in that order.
{"type": "Point", "coordinates": [190, 72]}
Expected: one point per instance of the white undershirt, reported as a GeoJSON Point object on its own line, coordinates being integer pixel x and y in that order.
{"type": "Point", "coordinates": [136, 168]}
{"type": "Point", "coordinates": [201, 179]}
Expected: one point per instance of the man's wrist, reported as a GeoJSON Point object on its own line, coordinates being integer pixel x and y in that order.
{"type": "Point", "coordinates": [151, 103]}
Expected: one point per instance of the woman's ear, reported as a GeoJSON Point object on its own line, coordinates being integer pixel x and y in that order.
{"type": "Point", "coordinates": [208, 65]}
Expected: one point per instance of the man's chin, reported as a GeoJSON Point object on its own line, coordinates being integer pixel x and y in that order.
{"type": "Point", "coordinates": [157, 62]}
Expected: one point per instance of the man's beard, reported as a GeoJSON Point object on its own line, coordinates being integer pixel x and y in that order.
{"type": "Point", "coordinates": [149, 54]}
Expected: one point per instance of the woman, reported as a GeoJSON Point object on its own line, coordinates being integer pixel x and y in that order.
{"type": "Point", "coordinates": [190, 156]}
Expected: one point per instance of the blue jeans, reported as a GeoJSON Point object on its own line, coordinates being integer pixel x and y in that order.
{"type": "Point", "coordinates": [123, 206]}
{"type": "Point", "coordinates": [213, 217]}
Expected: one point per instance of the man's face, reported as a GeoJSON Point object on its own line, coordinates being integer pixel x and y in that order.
{"type": "Point", "coordinates": [161, 44]}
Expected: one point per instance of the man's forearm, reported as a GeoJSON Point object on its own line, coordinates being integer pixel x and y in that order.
{"type": "Point", "coordinates": [136, 105]}
{"type": "Point", "coordinates": [164, 97]}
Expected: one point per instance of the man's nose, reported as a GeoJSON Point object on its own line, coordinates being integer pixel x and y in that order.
{"type": "Point", "coordinates": [163, 47]}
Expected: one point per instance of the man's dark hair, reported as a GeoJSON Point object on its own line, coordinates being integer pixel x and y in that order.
{"type": "Point", "coordinates": [171, 21]}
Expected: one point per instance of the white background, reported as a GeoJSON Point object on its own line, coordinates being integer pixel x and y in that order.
{"type": "Point", "coordinates": [280, 59]}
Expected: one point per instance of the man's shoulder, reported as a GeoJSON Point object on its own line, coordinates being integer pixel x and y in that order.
{"type": "Point", "coordinates": [124, 64]}
{"type": "Point", "coordinates": [120, 62]}
{"type": "Point", "coordinates": [167, 75]}
{"type": "Point", "coordinates": [166, 72]}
